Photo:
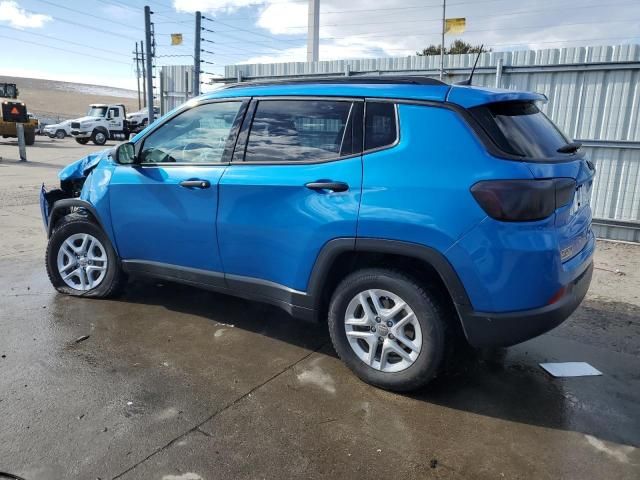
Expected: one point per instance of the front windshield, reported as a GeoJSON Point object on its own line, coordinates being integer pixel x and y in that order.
{"type": "Point", "coordinates": [97, 112]}
{"type": "Point", "coordinates": [7, 90]}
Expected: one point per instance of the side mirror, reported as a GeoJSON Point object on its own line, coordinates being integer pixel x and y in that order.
{"type": "Point", "coordinates": [125, 154]}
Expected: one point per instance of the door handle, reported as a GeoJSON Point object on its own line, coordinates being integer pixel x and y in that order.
{"type": "Point", "coordinates": [197, 183]}
{"type": "Point", "coordinates": [328, 185]}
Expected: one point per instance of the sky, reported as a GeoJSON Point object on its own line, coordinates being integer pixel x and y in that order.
{"type": "Point", "coordinates": [92, 41]}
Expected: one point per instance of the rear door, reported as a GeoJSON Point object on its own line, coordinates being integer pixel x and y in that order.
{"type": "Point", "coordinates": [164, 208]}
{"type": "Point", "coordinates": [294, 184]}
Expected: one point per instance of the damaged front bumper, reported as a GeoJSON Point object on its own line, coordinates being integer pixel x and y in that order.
{"type": "Point", "coordinates": [45, 208]}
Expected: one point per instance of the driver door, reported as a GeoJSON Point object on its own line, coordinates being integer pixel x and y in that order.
{"type": "Point", "coordinates": [164, 208]}
{"type": "Point", "coordinates": [114, 120]}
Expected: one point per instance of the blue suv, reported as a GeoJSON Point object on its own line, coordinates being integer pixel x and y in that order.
{"type": "Point", "coordinates": [406, 211]}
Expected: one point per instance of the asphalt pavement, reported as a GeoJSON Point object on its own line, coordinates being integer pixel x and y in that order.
{"type": "Point", "coordinates": [170, 382]}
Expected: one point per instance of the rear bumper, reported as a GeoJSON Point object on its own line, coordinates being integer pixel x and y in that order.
{"type": "Point", "coordinates": [504, 329]}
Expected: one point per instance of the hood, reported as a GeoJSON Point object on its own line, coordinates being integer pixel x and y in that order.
{"type": "Point", "coordinates": [86, 119]}
{"type": "Point", "coordinates": [81, 168]}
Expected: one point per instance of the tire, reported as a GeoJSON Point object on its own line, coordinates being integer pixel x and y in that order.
{"type": "Point", "coordinates": [29, 137]}
{"type": "Point", "coordinates": [60, 134]}
{"type": "Point", "coordinates": [77, 226]}
{"type": "Point", "coordinates": [428, 325]}
{"type": "Point", "coordinates": [82, 141]}
{"type": "Point", "coordinates": [99, 137]}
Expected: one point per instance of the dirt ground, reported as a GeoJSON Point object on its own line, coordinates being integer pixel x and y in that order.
{"type": "Point", "coordinates": [50, 98]}
{"type": "Point", "coordinates": [175, 383]}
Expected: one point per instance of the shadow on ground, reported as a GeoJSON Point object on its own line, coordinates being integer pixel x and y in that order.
{"type": "Point", "coordinates": [505, 384]}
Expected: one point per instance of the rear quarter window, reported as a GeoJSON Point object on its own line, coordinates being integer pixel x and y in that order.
{"type": "Point", "coordinates": [381, 129]}
{"type": "Point", "coordinates": [520, 128]}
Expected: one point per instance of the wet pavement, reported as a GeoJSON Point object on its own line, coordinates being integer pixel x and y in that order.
{"type": "Point", "coordinates": [175, 383]}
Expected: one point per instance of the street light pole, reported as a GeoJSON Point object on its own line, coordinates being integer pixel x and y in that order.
{"type": "Point", "coordinates": [444, 21]}
{"type": "Point", "coordinates": [313, 31]}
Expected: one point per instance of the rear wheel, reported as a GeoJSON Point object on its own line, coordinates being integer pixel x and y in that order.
{"type": "Point", "coordinates": [80, 259]}
{"type": "Point", "coordinates": [388, 329]}
{"type": "Point", "coordinates": [82, 141]}
{"type": "Point", "coordinates": [60, 134]}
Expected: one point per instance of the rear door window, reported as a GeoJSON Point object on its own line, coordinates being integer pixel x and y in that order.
{"type": "Point", "coordinates": [299, 131]}
{"type": "Point", "coordinates": [520, 128]}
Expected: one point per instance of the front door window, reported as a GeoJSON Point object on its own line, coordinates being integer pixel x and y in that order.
{"type": "Point", "coordinates": [198, 135]}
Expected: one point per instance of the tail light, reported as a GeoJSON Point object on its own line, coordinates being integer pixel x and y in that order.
{"type": "Point", "coordinates": [523, 200]}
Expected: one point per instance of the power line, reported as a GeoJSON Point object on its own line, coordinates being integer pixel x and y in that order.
{"type": "Point", "coordinates": [80, 12]}
{"type": "Point", "coordinates": [395, 33]}
{"type": "Point", "coordinates": [439, 20]}
{"type": "Point", "coordinates": [242, 39]}
{"type": "Point", "coordinates": [65, 50]}
{"type": "Point", "coordinates": [51, 37]}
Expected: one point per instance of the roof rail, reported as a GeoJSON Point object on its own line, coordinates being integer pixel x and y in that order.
{"type": "Point", "coordinates": [354, 79]}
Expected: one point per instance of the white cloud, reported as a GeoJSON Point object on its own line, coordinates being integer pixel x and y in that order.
{"type": "Point", "coordinates": [17, 17]}
{"type": "Point", "coordinates": [281, 18]}
{"type": "Point", "coordinates": [213, 5]}
{"type": "Point", "coordinates": [366, 29]}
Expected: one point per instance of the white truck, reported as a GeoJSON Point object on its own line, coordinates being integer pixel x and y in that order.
{"type": "Point", "coordinates": [103, 122]}
{"type": "Point", "coordinates": [139, 120]}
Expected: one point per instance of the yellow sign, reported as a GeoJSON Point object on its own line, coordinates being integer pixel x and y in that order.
{"type": "Point", "coordinates": [455, 25]}
{"type": "Point", "coordinates": [176, 39]}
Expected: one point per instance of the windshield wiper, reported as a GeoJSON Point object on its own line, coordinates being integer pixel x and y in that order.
{"type": "Point", "coordinates": [572, 147]}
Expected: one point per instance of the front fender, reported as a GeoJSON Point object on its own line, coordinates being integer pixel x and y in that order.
{"type": "Point", "coordinates": [64, 206]}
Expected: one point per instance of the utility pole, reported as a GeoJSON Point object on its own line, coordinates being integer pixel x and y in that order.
{"type": "Point", "coordinates": [196, 56]}
{"type": "Point", "coordinates": [138, 76]}
{"type": "Point", "coordinates": [444, 21]}
{"type": "Point", "coordinates": [147, 34]}
{"type": "Point", "coordinates": [313, 31]}
{"type": "Point", "coordinates": [144, 75]}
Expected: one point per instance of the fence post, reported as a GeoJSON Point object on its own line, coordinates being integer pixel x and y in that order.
{"type": "Point", "coordinates": [499, 72]}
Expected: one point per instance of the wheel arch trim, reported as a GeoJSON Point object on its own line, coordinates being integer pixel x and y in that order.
{"type": "Point", "coordinates": [59, 208]}
{"type": "Point", "coordinates": [336, 247]}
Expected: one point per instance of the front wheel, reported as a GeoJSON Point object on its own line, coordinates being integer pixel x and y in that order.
{"type": "Point", "coordinates": [388, 329]}
{"type": "Point", "coordinates": [80, 259]}
{"type": "Point", "coordinates": [99, 137]}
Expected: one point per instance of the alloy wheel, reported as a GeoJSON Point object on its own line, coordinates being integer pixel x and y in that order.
{"type": "Point", "coordinates": [383, 330]}
{"type": "Point", "coordinates": [82, 261]}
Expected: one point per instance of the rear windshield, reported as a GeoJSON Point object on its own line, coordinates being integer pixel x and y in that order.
{"type": "Point", "coordinates": [520, 128]}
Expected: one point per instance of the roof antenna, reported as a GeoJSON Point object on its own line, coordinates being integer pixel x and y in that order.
{"type": "Point", "coordinates": [468, 80]}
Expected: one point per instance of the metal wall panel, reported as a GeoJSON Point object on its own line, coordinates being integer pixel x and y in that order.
{"type": "Point", "coordinates": [176, 86]}
{"type": "Point", "coordinates": [594, 96]}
